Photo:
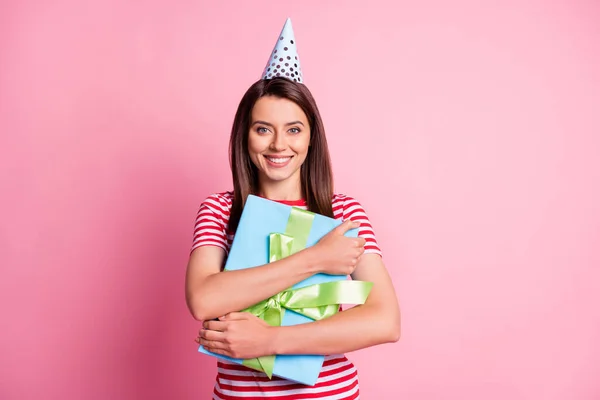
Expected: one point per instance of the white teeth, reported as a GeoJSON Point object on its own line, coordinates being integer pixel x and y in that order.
{"type": "Point", "coordinates": [278, 160]}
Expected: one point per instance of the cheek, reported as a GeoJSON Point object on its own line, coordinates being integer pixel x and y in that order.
{"type": "Point", "coordinates": [254, 146]}
{"type": "Point", "coordinates": [302, 146]}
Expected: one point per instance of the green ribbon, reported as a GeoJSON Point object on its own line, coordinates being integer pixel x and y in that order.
{"type": "Point", "coordinates": [317, 301]}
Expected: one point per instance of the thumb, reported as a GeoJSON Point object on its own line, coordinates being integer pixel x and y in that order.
{"type": "Point", "coordinates": [346, 226]}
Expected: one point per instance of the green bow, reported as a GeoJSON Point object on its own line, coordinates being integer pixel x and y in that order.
{"type": "Point", "coordinates": [317, 301]}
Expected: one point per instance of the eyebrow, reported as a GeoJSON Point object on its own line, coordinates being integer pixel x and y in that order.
{"type": "Point", "coordinates": [271, 125]}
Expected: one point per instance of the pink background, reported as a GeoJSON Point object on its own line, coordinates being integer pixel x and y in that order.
{"type": "Point", "coordinates": [468, 131]}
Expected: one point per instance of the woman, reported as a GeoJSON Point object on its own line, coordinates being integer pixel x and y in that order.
{"type": "Point", "coordinates": [278, 150]}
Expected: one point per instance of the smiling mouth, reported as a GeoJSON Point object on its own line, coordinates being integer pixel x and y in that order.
{"type": "Point", "coordinates": [278, 161]}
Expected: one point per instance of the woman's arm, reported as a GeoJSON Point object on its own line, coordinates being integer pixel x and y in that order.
{"type": "Point", "coordinates": [375, 322]}
{"type": "Point", "coordinates": [243, 335]}
{"type": "Point", "coordinates": [211, 294]}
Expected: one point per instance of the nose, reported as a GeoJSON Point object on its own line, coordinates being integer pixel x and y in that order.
{"type": "Point", "coordinates": [279, 142]}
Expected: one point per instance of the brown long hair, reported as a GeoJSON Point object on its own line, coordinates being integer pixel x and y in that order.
{"type": "Point", "coordinates": [316, 173]}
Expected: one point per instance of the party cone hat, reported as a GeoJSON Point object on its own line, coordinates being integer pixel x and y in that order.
{"type": "Point", "coordinates": [284, 60]}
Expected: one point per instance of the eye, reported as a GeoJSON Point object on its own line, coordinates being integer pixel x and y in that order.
{"type": "Point", "coordinates": [294, 130]}
{"type": "Point", "coordinates": [262, 130]}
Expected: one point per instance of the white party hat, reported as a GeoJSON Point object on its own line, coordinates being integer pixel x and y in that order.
{"type": "Point", "coordinates": [284, 60]}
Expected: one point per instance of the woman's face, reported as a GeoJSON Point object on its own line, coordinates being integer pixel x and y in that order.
{"type": "Point", "coordinates": [279, 138]}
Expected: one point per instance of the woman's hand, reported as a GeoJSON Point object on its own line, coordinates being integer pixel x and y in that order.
{"type": "Point", "coordinates": [237, 335]}
{"type": "Point", "coordinates": [336, 254]}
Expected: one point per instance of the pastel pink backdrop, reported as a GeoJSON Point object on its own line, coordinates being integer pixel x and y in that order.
{"type": "Point", "coordinates": [468, 130]}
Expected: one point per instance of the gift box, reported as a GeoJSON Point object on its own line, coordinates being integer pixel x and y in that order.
{"type": "Point", "coordinates": [268, 231]}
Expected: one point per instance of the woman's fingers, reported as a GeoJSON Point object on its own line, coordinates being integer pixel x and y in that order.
{"type": "Point", "coordinates": [215, 325]}
{"type": "Point", "coordinates": [212, 335]}
{"type": "Point", "coordinates": [211, 345]}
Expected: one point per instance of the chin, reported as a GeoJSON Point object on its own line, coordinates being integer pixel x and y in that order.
{"type": "Point", "coordinates": [275, 175]}
{"type": "Point", "coordinates": [278, 177]}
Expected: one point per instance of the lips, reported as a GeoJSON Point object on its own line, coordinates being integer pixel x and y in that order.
{"type": "Point", "coordinates": [278, 161]}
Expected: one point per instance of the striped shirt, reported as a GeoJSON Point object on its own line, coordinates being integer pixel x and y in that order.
{"type": "Point", "coordinates": [338, 378]}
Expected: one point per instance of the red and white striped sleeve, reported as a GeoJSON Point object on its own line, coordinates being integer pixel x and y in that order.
{"type": "Point", "coordinates": [210, 228]}
{"type": "Point", "coordinates": [353, 210]}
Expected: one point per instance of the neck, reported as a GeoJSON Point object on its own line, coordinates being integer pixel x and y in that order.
{"type": "Point", "coordinates": [290, 189]}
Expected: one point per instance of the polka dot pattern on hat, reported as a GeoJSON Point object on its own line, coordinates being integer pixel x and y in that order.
{"type": "Point", "coordinates": [282, 56]}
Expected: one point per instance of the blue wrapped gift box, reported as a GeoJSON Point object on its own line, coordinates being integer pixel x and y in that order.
{"type": "Point", "coordinates": [250, 248]}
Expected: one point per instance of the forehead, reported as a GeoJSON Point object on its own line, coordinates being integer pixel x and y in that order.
{"type": "Point", "coordinates": [277, 110]}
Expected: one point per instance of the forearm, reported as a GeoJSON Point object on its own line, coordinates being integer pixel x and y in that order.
{"type": "Point", "coordinates": [359, 327]}
{"type": "Point", "coordinates": [230, 291]}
